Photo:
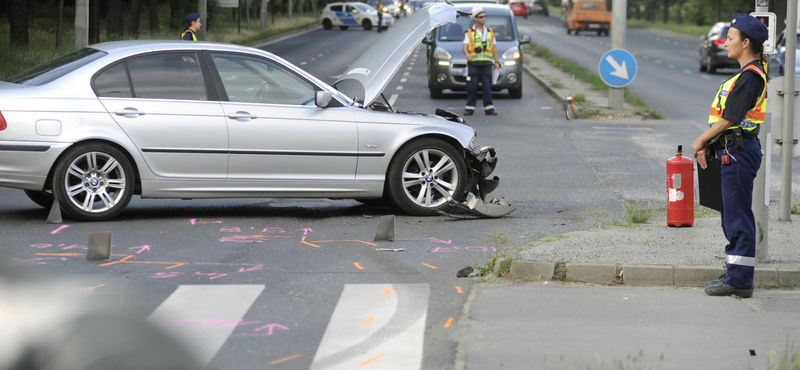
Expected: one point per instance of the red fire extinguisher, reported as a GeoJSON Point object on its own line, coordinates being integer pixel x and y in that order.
{"type": "Point", "coordinates": [680, 190]}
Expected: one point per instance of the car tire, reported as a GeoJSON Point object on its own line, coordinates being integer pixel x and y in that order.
{"type": "Point", "coordinates": [703, 67]}
{"type": "Point", "coordinates": [569, 31]}
{"type": "Point", "coordinates": [42, 198]}
{"type": "Point", "coordinates": [376, 202]}
{"type": "Point", "coordinates": [83, 176]}
{"type": "Point", "coordinates": [526, 15]}
{"type": "Point", "coordinates": [516, 93]}
{"type": "Point", "coordinates": [709, 66]}
{"type": "Point", "coordinates": [405, 191]}
{"type": "Point", "coordinates": [780, 71]}
{"type": "Point", "coordinates": [344, 28]}
{"type": "Point", "coordinates": [367, 24]}
{"type": "Point", "coordinates": [435, 93]}
{"type": "Point", "coordinates": [385, 28]}
{"type": "Point", "coordinates": [327, 24]}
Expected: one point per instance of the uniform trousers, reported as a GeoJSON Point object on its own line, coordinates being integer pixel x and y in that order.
{"type": "Point", "coordinates": [484, 75]}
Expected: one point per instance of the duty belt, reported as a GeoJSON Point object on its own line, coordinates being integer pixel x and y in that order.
{"type": "Point", "coordinates": [735, 137]}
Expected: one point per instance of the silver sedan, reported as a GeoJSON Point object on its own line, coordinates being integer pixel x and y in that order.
{"type": "Point", "coordinates": [166, 119]}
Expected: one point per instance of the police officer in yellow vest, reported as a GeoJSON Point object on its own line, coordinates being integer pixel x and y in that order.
{"type": "Point", "coordinates": [479, 47]}
{"type": "Point", "coordinates": [734, 120]}
{"type": "Point", "coordinates": [191, 26]}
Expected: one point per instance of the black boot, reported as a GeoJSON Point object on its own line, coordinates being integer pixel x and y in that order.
{"type": "Point", "coordinates": [727, 290]}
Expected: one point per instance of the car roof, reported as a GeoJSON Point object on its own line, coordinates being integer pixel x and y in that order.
{"type": "Point", "coordinates": [489, 8]}
{"type": "Point", "coordinates": [141, 46]}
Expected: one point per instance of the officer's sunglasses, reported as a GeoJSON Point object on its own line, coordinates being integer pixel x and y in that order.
{"type": "Point", "coordinates": [481, 16]}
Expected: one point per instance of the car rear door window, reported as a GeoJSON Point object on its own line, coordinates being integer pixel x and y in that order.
{"type": "Point", "coordinates": [255, 80]}
{"type": "Point", "coordinates": [336, 8]}
{"type": "Point", "coordinates": [113, 82]}
{"type": "Point", "coordinates": [56, 68]}
{"type": "Point", "coordinates": [168, 76]}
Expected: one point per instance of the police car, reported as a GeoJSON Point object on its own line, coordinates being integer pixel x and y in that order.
{"type": "Point", "coordinates": [346, 15]}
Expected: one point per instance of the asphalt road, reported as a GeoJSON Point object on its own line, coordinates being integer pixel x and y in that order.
{"type": "Point", "coordinates": [312, 256]}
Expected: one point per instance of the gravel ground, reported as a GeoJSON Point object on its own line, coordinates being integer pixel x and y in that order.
{"type": "Point", "coordinates": [656, 244]}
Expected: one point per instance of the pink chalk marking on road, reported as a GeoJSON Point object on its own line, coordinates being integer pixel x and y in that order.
{"type": "Point", "coordinates": [75, 246]}
{"type": "Point", "coordinates": [42, 246]}
{"type": "Point", "coordinates": [250, 269]}
{"type": "Point", "coordinates": [194, 222]}
{"type": "Point", "coordinates": [473, 249]}
{"type": "Point", "coordinates": [241, 322]}
{"type": "Point", "coordinates": [273, 230]}
{"type": "Point", "coordinates": [141, 248]}
{"type": "Point", "coordinates": [429, 239]}
{"type": "Point", "coordinates": [212, 275]}
{"type": "Point", "coordinates": [62, 227]}
{"type": "Point", "coordinates": [306, 230]}
{"type": "Point", "coordinates": [226, 264]}
{"type": "Point", "coordinates": [165, 275]}
{"type": "Point", "coordinates": [270, 327]}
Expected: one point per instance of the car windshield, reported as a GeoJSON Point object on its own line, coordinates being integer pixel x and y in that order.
{"type": "Point", "coordinates": [56, 68]}
{"type": "Point", "coordinates": [365, 8]}
{"type": "Point", "coordinates": [590, 5]}
{"type": "Point", "coordinates": [501, 24]}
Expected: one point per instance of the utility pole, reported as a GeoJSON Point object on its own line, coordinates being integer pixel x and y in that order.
{"type": "Point", "coordinates": [202, 10]}
{"type": "Point", "coordinates": [788, 115]}
{"type": "Point", "coordinates": [619, 17]}
{"type": "Point", "coordinates": [81, 23]}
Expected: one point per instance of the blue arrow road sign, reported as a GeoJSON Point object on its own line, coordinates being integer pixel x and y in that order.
{"type": "Point", "coordinates": [617, 68]}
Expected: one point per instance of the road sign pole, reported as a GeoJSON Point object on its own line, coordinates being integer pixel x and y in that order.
{"type": "Point", "coordinates": [616, 96]}
{"type": "Point", "coordinates": [788, 118]}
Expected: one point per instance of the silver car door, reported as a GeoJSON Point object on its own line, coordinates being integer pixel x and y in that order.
{"type": "Point", "coordinates": [276, 131]}
{"type": "Point", "coordinates": [161, 101]}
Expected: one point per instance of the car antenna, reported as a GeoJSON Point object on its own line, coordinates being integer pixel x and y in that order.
{"type": "Point", "coordinates": [387, 103]}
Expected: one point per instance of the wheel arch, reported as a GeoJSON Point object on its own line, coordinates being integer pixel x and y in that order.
{"type": "Point", "coordinates": [446, 138]}
{"type": "Point", "coordinates": [137, 189]}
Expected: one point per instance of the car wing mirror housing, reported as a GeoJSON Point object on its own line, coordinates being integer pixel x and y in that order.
{"type": "Point", "coordinates": [323, 98]}
{"type": "Point", "coordinates": [428, 39]}
{"type": "Point", "coordinates": [525, 39]}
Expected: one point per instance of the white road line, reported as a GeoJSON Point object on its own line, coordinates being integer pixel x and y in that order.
{"type": "Point", "coordinates": [688, 72]}
{"type": "Point", "coordinates": [672, 66]}
{"type": "Point", "coordinates": [400, 87]}
{"type": "Point", "coordinates": [337, 76]}
{"type": "Point", "coordinates": [409, 68]}
{"type": "Point", "coordinates": [319, 56]}
{"type": "Point", "coordinates": [677, 43]}
{"type": "Point", "coordinates": [412, 63]}
{"type": "Point", "coordinates": [706, 77]}
{"type": "Point", "coordinates": [658, 61]}
{"type": "Point", "coordinates": [646, 57]}
{"type": "Point", "coordinates": [393, 99]}
{"type": "Point", "coordinates": [378, 324]}
{"type": "Point", "coordinates": [313, 59]}
{"type": "Point", "coordinates": [303, 63]}
{"type": "Point", "coordinates": [403, 80]}
{"type": "Point", "coordinates": [406, 73]}
{"type": "Point", "coordinates": [201, 302]}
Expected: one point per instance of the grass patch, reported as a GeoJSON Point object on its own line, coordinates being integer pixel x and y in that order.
{"type": "Point", "coordinates": [586, 75]}
{"type": "Point", "coordinates": [580, 99]}
{"type": "Point", "coordinates": [796, 208]}
{"type": "Point", "coordinates": [486, 266]}
{"type": "Point", "coordinates": [700, 211]}
{"type": "Point", "coordinates": [499, 239]}
{"type": "Point", "coordinates": [556, 84]}
{"type": "Point", "coordinates": [637, 212]}
{"type": "Point", "coordinates": [781, 284]}
{"type": "Point", "coordinates": [42, 45]}
{"type": "Point", "coordinates": [684, 29]}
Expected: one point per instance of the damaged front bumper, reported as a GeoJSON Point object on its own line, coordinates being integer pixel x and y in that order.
{"type": "Point", "coordinates": [482, 162]}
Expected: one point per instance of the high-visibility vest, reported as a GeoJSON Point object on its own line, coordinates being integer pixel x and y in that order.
{"type": "Point", "coordinates": [474, 38]}
{"type": "Point", "coordinates": [194, 38]}
{"type": "Point", "coordinates": [754, 116]}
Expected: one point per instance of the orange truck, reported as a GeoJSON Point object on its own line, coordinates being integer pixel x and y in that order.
{"type": "Point", "coordinates": [587, 15]}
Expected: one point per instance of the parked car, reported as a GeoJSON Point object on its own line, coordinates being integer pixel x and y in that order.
{"type": "Point", "coordinates": [447, 62]}
{"type": "Point", "coordinates": [713, 54]}
{"type": "Point", "coordinates": [393, 10]}
{"type": "Point", "coordinates": [781, 55]}
{"type": "Point", "coordinates": [346, 15]}
{"type": "Point", "coordinates": [479, 1]}
{"type": "Point", "coordinates": [172, 119]}
{"type": "Point", "coordinates": [539, 7]}
{"type": "Point", "coordinates": [588, 15]}
{"type": "Point", "coordinates": [518, 7]}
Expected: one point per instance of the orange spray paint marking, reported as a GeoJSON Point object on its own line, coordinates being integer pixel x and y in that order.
{"type": "Point", "coordinates": [292, 357]}
{"type": "Point", "coordinates": [307, 243]}
{"type": "Point", "coordinates": [116, 262]}
{"type": "Point", "coordinates": [458, 289]}
{"type": "Point", "coordinates": [343, 241]}
{"type": "Point", "coordinates": [96, 286]}
{"type": "Point", "coordinates": [425, 264]}
{"type": "Point", "coordinates": [386, 291]}
{"type": "Point", "coordinates": [367, 321]}
{"type": "Point", "coordinates": [358, 265]}
{"type": "Point", "coordinates": [449, 321]}
{"type": "Point", "coordinates": [365, 363]}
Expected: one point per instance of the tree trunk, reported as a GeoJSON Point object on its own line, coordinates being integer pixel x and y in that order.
{"type": "Point", "coordinates": [136, 9]}
{"type": "Point", "coordinates": [290, 9]}
{"type": "Point", "coordinates": [264, 12]}
{"type": "Point", "coordinates": [18, 20]}
{"type": "Point", "coordinates": [717, 10]}
{"type": "Point", "coordinates": [638, 13]}
{"type": "Point", "coordinates": [114, 25]}
{"type": "Point", "coordinates": [153, 6]}
{"type": "Point", "coordinates": [678, 15]}
{"type": "Point", "coordinates": [94, 21]}
{"type": "Point", "coordinates": [174, 14]}
{"type": "Point", "coordinates": [665, 16]}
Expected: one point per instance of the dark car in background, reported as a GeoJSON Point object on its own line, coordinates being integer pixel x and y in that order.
{"type": "Point", "coordinates": [780, 57]}
{"type": "Point", "coordinates": [713, 55]}
{"type": "Point", "coordinates": [447, 63]}
{"type": "Point", "coordinates": [539, 7]}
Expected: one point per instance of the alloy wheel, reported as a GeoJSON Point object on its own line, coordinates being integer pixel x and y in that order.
{"type": "Point", "coordinates": [95, 182]}
{"type": "Point", "coordinates": [430, 177]}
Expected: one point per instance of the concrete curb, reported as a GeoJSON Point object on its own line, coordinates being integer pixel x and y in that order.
{"type": "Point", "coordinates": [544, 85]}
{"type": "Point", "coordinates": [642, 275]}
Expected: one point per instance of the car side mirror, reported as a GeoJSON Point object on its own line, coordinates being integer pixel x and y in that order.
{"type": "Point", "coordinates": [323, 98]}
{"type": "Point", "coordinates": [355, 11]}
{"type": "Point", "coordinates": [525, 39]}
{"type": "Point", "coordinates": [428, 39]}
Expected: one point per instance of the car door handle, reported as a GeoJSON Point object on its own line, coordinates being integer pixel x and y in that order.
{"type": "Point", "coordinates": [241, 115]}
{"type": "Point", "coordinates": [129, 112]}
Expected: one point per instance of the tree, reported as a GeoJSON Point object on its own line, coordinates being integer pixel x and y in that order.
{"type": "Point", "coordinates": [136, 10]}
{"type": "Point", "coordinates": [264, 11]}
{"type": "Point", "coordinates": [18, 20]}
{"type": "Point", "coordinates": [153, 6]}
{"type": "Point", "coordinates": [678, 14]}
{"type": "Point", "coordinates": [665, 16]}
{"type": "Point", "coordinates": [114, 25]}
{"type": "Point", "coordinates": [717, 10]}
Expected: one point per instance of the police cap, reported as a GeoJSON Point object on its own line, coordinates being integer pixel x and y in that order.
{"type": "Point", "coordinates": [751, 26]}
{"type": "Point", "coordinates": [476, 11]}
{"type": "Point", "coordinates": [191, 17]}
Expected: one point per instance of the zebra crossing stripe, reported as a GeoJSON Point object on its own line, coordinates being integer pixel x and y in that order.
{"type": "Point", "coordinates": [370, 328]}
{"type": "Point", "coordinates": [202, 302]}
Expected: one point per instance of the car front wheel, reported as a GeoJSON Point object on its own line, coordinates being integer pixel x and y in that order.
{"type": "Point", "coordinates": [424, 174]}
{"type": "Point", "coordinates": [93, 182]}
{"type": "Point", "coordinates": [367, 24]}
{"type": "Point", "coordinates": [327, 24]}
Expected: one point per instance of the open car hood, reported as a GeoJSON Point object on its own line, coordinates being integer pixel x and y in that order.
{"type": "Point", "coordinates": [371, 72]}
